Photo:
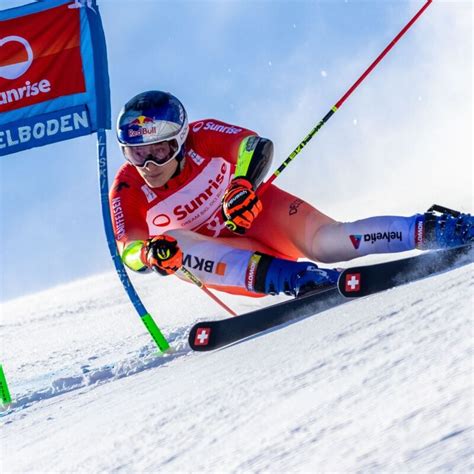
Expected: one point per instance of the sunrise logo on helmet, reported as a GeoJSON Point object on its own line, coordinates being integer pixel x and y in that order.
{"type": "Point", "coordinates": [142, 126]}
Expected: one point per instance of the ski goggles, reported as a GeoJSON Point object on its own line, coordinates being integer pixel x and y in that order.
{"type": "Point", "coordinates": [159, 153]}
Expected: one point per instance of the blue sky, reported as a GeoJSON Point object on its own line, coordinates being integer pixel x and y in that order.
{"type": "Point", "coordinates": [400, 143]}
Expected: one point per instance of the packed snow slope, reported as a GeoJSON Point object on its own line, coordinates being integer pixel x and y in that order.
{"type": "Point", "coordinates": [380, 384]}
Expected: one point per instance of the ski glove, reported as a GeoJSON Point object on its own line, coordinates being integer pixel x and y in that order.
{"type": "Point", "coordinates": [240, 205]}
{"type": "Point", "coordinates": [163, 255]}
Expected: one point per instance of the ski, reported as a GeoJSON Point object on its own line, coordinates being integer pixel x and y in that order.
{"type": "Point", "coordinates": [210, 335]}
{"type": "Point", "coordinates": [361, 281]}
{"type": "Point", "coordinates": [353, 282]}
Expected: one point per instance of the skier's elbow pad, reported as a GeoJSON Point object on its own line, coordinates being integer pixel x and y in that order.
{"type": "Point", "coordinates": [255, 158]}
{"type": "Point", "coordinates": [132, 257]}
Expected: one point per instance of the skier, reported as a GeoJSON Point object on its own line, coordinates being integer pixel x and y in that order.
{"type": "Point", "coordinates": [187, 196]}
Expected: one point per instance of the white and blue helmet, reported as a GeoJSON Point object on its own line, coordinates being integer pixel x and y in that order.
{"type": "Point", "coordinates": [148, 118]}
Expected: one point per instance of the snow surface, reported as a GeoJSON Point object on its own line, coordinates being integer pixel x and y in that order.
{"type": "Point", "coordinates": [380, 384]}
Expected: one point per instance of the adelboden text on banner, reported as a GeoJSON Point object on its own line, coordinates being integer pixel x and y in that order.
{"type": "Point", "coordinates": [54, 82]}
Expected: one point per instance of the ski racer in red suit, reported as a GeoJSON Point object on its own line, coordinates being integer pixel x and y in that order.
{"type": "Point", "coordinates": [186, 196]}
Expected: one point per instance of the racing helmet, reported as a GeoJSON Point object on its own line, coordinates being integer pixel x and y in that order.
{"type": "Point", "coordinates": [147, 123]}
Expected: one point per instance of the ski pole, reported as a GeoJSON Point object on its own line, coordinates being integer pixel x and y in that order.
{"type": "Point", "coordinates": [264, 186]}
{"type": "Point", "coordinates": [200, 284]}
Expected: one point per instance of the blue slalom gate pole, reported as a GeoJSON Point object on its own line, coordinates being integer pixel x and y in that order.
{"type": "Point", "coordinates": [146, 318]}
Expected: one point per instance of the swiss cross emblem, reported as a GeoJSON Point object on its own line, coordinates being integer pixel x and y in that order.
{"type": "Point", "coordinates": [202, 337]}
{"type": "Point", "coordinates": [352, 282]}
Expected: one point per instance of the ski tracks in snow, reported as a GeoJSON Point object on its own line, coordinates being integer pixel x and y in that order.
{"type": "Point", "coordinates": [382, 383]}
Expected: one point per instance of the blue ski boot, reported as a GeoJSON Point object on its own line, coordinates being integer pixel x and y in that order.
{"type": "Point", "coordinates": [444, 228]}
{"type": "Point", "coordinates": [295, 278]}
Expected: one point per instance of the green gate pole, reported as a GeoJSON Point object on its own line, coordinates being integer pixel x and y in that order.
{"type": "Point", "coordinates": [4, 392]}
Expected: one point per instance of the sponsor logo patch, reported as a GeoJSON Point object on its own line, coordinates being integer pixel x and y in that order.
{"type": "Point", "coordinates": [198, 126]}
{"type": "Point", "coordinates": [203, 265]}
{"type": "Point", "coordinates": [352, 282]}
{"type": "Point", "coordinates": [198, 203]}
{"type": "Point", "coordinates": [215, 127]}
{"type": "Point", "coordinates": [161, 220]}
{"type": "Point", "coordinates": [294, 206]}
{"type": "Point", "coordinates": [40, 58]}
{"type": "Point", "coordinates": [375, 237]}
{"type": "Point", "coordinates": [150, 195]}
{"type": "Point", "coordinates": [198, 159]}
{"type": "Point", "coordinates": [119, 218]}
{"type": "Point", "coordinates": [252, 272]}
{"type": "Point", "coordinates": [419, 232]}
{"type": "Point", "coordinates": [388, 236]}
{"type": "Point", "coordinates": [193, 207]}
{"type": "Point", "coordinates": [202, 337]}
{"type": "Point", "coordinates": [355, 239]}
{"type": "Point", "coordinates": [142, 126]}
{"type": "Point", "coordinates": [15, 70]}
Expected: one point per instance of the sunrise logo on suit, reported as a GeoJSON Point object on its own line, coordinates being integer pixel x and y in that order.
{"type": "Point", "coordinates": [193, 208]}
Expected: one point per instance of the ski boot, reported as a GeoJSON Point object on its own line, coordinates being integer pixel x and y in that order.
{"type": "Point", "coordinates": [443, 228]}
{"type": "Point", "coordinates": [297, 278]}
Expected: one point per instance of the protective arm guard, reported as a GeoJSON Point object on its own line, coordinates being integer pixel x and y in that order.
{"type": "Point", "coordinates": [254, 159]}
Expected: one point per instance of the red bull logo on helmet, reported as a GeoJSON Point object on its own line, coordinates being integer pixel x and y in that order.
{"type": "Point", "coordinates": [141, 127]}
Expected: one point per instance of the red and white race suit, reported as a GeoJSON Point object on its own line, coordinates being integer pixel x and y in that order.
{"type": "Point", "coordinates": [188, 207]}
